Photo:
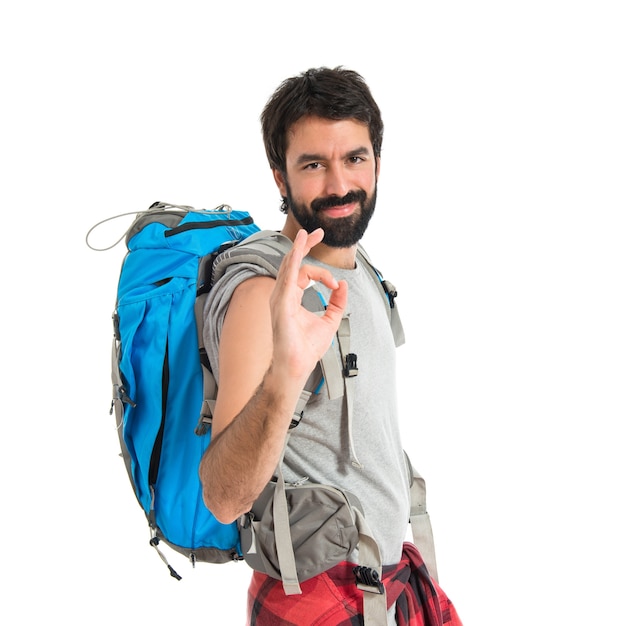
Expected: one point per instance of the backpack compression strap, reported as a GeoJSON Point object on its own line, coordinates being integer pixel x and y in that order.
{"type": "Point", "coordinates": [421, 528]}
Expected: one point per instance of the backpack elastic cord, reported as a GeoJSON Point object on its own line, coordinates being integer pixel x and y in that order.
{"type": "Point", "coordinates": [154, 542]}
{"type": "Point", "coordinates": [154, 539]}
{"type": "Point", "coordinates": [154, 207]}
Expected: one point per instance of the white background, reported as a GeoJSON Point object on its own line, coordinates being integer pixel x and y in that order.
{"type": "Point", "coordinates": [500, 219]}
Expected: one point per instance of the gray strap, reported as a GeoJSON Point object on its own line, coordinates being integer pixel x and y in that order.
{"type": "Point", "coordinates": [297, 413]}
{"type": "Point", "coordinates": [374, 608]}
{"type": "Point", "coordinates": [333, 377]}
{"type": "Point", "coordinates": [374, 601]}
{"type": "Point", "coordinates": [282, 528]}
{"type": "Point", "coordinates": [117, 403]}
{"type": "Point", "coordinates": [343, 335]}
{"type": "Point", "coordinates": [116, 380]}
{"type": "Point", "coordinates": [421, 528]}
{"type": "Point", "coordinates": [282, 535]}
{"type": "Point", "coordinates": [264, 248]}
{"type": "Point", "coordinates": [329, 363]}
{"type": "Point", "coordinates": [207, 409]}
{"type": "Point", "coordinates": [392, 310]}
{"type": "Point", "coordinates": [349, 384]}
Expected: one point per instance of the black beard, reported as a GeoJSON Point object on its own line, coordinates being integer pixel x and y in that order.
{"type": "Point", "coordinates": [339, 232]}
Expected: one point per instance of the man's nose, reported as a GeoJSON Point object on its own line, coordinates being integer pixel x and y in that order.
{"type": "Point", "coordinates": [336, 182]}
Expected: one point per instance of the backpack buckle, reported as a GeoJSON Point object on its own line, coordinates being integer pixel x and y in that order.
{"type": "Point", "coordinates": [391, 291]}
{"type": "Point", "coordinates": [119, 393]}
{"type": "Point", "coordinates": [350, 369]}
{"type": "Point", "coordinates": [204, 424]}
{"type": "Point", "coordinates": [116, 326]}
{"type": "Point", "coordinates": [367, 579]}
{"type": "Point", "coordinates": [296, 419]}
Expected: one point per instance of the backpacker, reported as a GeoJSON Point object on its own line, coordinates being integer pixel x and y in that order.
{"type": "Point", "coordinates": [163, 389]}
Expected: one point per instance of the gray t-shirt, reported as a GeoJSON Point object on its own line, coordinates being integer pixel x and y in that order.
{"type": "Point", "coordinates": [319, 448]}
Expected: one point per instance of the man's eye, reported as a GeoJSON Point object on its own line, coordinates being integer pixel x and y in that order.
{"type": "Point", "coordinates": [312, 166]}
{"type": "Point", "coordinates": [356, 159]}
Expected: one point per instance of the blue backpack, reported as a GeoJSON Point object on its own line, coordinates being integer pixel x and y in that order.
{"type": "Point", "coordinates": [157, 373]}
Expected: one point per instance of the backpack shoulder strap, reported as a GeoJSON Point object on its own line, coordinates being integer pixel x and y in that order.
{"type": "Point", "coordinates": [389, 293]}
{"type": "Point", "coordinates": [265, 249]}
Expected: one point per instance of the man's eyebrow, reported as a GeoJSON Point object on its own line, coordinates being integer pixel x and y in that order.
{"type": "Point", "coordinates": [362, 151]}
{"type": "Point", "coordinates": [309, 157]}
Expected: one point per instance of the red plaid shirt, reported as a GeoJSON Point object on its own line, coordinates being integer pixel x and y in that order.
{"type": "Point", "coordinates": [332, 598]}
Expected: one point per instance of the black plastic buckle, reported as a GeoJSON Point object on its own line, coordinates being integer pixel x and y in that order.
{"type": "Point", "coordinates": [204, 424]}
{"type": "Point", "coordinates": [245, 521]}
{"type": "Point", "coordinates": [350, 369]}
{"type": "Point", "coordinates": [367, 579]}
{"type": "Point", "coordinates": [295, 421]}
{"type": "Point", "coordinates": [116, 326]}
{"type": "Point", "coordinates": [119, 393]}
{"type": "Point", "coordinates": [391, 292]}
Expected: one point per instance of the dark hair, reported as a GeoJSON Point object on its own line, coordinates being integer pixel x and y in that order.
{"type": "Point", "coordinates": [334, 94]}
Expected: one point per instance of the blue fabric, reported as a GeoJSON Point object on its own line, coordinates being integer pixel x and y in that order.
{"type": "Point", "coordinates": [157, 325]}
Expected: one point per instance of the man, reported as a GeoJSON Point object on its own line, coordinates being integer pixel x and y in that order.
{"type": "Point", "coordinates": [323, 134]}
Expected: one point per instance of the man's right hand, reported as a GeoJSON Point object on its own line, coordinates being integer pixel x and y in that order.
{"type": "Point", "coordinates": [300, 337]}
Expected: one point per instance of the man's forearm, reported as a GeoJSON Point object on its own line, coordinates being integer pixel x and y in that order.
{"type": "Point", "coordinates": [243, 457]}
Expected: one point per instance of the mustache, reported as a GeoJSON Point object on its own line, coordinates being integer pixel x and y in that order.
{"type": "Point", "coordinates": [329, 202]}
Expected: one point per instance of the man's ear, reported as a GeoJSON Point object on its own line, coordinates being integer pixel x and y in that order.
{"type": "Point", "coordinates": [377, 168]}
{"type": "Point", "coordinates": [280, 181]}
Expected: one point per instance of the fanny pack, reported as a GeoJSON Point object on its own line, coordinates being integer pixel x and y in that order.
{"type": "Point", "coordinates": [322, 530]}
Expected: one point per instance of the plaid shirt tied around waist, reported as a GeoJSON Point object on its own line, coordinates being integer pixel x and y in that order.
{"type": "Point", "coordinates": [332, 598]}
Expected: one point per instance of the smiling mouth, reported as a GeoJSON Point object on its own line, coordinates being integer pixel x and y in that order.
{"type": "Point", "coordinates": [339, 210]}
{"type": "Point", "coordinates": [342, 205]}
